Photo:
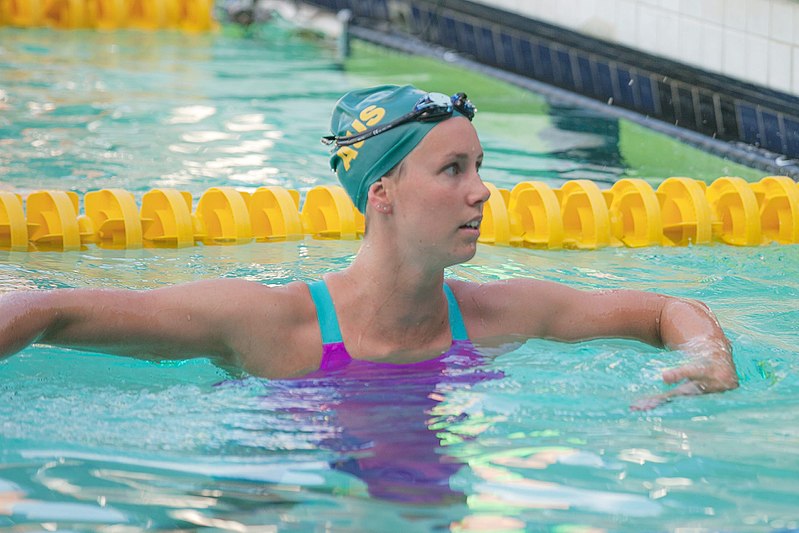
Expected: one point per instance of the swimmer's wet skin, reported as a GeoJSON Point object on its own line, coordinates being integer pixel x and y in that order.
{"type": "Point", "coordinates": [410, 161]}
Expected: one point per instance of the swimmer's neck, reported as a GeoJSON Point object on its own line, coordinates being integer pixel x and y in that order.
{"type": "Point", "coordinates": [389, 273]}
{"type": "Point", "coordinates": [392, 295]}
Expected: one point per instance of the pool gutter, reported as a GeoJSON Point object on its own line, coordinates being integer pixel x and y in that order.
{"type": "Point", "coordinates": [738, 152]}
{"type": "Point", "coordinates": [729, 119]}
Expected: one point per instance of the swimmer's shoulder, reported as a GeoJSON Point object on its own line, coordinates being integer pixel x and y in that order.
{"type": "Point", "coordinates": [476, 303]}
{"type": "Point", "coordinates": [273, 330]}
{"type": "Point", "coordinates": [504, 307]}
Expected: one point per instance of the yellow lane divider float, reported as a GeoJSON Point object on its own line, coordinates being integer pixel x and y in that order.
{"type": "Point", "coordinates": [189, 15]}
{"type": "Point", "coordinates": [579, 215]}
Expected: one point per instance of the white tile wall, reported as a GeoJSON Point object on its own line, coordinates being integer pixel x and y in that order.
{"type": "Point", "coordinates": [753, 40]}
{"type": "Point", "coordinates": [712, 10]}
{"type": "Point", "coordinates": [711, 47]}
{"type": "Point", "coordinates": [780, 63]}
{"type": "Point", "coordinates": [689, 37]}
{"type": "Point", "coordinates": [796, 27]}
{"type": "Point", "coordinates": [668, 35]}
{"type": "Point", "coordinates": [690, 8]}
{"type": "Point", "coordinates": [795, 83]}
{"type": "Point", "coordinates": [758, 16]}
{"type": "Point", "coordinates": [757, 58]}
{"type": "Point", "coordinates": [646, 27]}
{"type": "Point", "coordinates": [734, 54]}
{"type": "Point", "coordinates": [781, 28]}
{"type": "Point", "coordinates": [624, 23]}
{"type": "Point", "coordinates": [735, 14]}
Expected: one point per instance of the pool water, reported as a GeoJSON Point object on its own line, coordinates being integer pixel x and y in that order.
{"type": "Point", "coordinates": [537, 439]}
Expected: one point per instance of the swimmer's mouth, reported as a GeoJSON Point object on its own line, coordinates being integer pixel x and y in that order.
{"type": "Point", "coordinates": [473, 224]}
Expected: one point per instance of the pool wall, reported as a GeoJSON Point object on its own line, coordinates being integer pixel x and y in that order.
{"type": "Point", "coordinates": [756, 114]}
{"type": "Point", "coordinates": [755, 41]}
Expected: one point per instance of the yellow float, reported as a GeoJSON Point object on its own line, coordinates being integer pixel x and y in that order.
{"type": "Point", "coordinates": [188, 15]}
{"type": "Point", "coordinates": [682, 211]}
{"type": "Point", "coordinates": [534, 215]}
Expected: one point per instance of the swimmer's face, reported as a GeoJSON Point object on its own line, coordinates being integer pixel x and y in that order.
{"type": "Point", "coordinates": [438, 197]}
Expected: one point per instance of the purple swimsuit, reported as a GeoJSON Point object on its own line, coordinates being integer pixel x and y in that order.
{"type": "Point", "coordinates": [336, 359]}
{"type": "Point", "coordinates": [379, 413]}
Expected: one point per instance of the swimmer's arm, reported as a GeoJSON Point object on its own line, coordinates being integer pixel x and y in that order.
{"type": "Point", "coordinates": [551, 310]}
{"type": "Point", "coordinates": [175, 322]}
{"type": "Point", "coordinates": [663, 321]}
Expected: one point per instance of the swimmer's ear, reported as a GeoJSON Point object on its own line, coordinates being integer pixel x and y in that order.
{"type": "Point", "coordinates": [379, 197]}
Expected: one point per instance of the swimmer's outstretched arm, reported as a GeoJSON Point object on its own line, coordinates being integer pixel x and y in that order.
{"type": "Point", "coordinates": [201, 319]}
{"type": "Point", "coordinates": [171, 323]}
{"type": "Point", "coordinates": [551, 310]}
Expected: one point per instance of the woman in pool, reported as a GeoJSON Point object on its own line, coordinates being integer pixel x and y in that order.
{"type": "Point", "coordinates": [410, 161]}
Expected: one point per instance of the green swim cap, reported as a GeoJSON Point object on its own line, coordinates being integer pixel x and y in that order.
{"type": "Point", "coordinates": [361, 164]}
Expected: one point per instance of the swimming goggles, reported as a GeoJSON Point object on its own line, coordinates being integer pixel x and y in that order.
{"type": "Point", "coordinates": [430, 107]}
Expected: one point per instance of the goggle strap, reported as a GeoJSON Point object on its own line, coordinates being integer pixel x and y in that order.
{"type": "Point", "coordinates": [458, 101]}
{"type": "Point", "coordinates": [371, 132]}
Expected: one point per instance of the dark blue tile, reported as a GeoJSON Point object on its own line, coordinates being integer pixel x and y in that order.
{"type": "Point", "coordinates": [380, 9]}
{"type": "Point", "coordinates": [791, 137]}
{"type": "Point", "coordinates": [604, 81]}
{"type": "Point", "coordinates": [542, 56]}
{"type": "Point", "coordinates": [447, 34]}
{"type": "Point", "coordinates": [485, 46]}
{"type": "Point", "coordinates": [525, 61]}
{"type": "Point", "coordinates": [707, 114]}
{"type": "Point", "coordinates": [729, 118]}
{"type": "Point", "coordinates": [362, 9]}
{"type": "Point", "coordinates": [686, 109]}
{"type": "Point", "coordinates": [646, 97]}
{"type": "Point", "coordinates": [665, 96]}
{"type": "Point", "coordinates": [772, 136]}
{"type": "Point", "coordinates": [466, 38]}
{"type": "Point", "coordinates": [416, 18]}
{"type": "Point", "coordinates": [748, 125]}
{"type": "Point", "coordinates": [506, 57]}
{"type": "Point", "coordinates": [422, 21]}
{"type": "Point", "coordinates": [564, 74]}
{"type": "Point", "coordinates": [625, 95]}
{"type": "Point", "coordinates": [586, 84]}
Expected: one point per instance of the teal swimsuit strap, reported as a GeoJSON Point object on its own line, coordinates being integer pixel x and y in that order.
{"type": "Point", "coordinates": [325, 312]}
{"type": "Point", "coordinates": [328, 321]}
{"type": "Point", "coordinates": [456, 325]}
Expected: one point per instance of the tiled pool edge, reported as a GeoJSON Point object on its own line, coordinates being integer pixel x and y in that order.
{"type": "Point", "coordinates": [748, 124]}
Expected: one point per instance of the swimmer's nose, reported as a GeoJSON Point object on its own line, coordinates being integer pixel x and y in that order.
{"type": "Point", "coordinates": [481, 193]}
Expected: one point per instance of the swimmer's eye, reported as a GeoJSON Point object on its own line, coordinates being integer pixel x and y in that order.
{"type": "Point", "coordinates": [452, 169]}
{"type": "Point", "coordinates": [461, 165]}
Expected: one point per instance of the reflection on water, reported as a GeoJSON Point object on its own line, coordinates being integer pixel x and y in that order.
{"type": "Point", "coordinates": [548, 442]}
{"type": "Point", "coordinates": [87, 110]}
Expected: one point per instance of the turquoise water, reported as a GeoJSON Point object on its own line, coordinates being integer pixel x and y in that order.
{"type": "Point", "coordinates": [548, 443]}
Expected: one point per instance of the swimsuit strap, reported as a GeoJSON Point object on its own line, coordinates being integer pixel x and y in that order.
{"type": "Point", "coordinates": [328, 321]}
{"type": "Point", "coordinates": [456, 324]}
{"type": "Point", "coordinates": [325, 312]}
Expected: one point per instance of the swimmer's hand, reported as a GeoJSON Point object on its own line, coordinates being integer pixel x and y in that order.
{"type": "Point", "coordinates": [711, 369]}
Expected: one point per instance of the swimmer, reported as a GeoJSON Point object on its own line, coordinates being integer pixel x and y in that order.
{"type": "Point", "coordinates": [410, 161]}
